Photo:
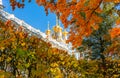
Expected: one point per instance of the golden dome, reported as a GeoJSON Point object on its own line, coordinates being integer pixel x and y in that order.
{"type": "Point", "coordinates": [60, 29]}
{"type": "Point", "coordinates": [65, 33]}
{"type": "Point", "coordinates": [48, 32]}
{"type": "Point", "coordinates": [57, 28]}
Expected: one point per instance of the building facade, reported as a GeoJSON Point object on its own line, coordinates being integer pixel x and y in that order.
{"type": "Point", "coordinates": [56, 37]}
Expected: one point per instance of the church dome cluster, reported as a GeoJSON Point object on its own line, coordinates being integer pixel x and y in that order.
{"type": "Point", "coordinates": [57, 36]}
{"type": "Point", "coordinates": [57, 32]}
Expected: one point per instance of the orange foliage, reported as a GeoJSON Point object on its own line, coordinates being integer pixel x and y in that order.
{"type": "Point", "coordinates": [115, 32]}
{"type": "Point", "coordinates": [118, 21]}
{"type": "Point", "coordinates": [82, 12]}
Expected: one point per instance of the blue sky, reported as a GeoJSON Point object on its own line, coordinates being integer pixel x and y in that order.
{"type": "Point", "coordinates": [32, 14]}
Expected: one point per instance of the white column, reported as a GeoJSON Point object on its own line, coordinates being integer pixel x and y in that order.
{"type": "Point", "coordinates": [1, 2]}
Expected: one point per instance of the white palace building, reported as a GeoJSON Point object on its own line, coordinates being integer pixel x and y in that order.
{"type": "Point", "coordinates": [57, 38]}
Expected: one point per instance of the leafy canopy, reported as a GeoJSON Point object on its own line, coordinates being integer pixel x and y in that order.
{"type": "Point", "coordinates": [83, 14]}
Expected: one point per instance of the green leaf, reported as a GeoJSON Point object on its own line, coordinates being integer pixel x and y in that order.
{"type": "Point", "coordinates": [27, 65]}
{"type": "Point", "coordinates": [21, 52]}
{"type": "Point", "coordinates": [83, 15]}
{"type": "Point", "coordinates": [86, 3]}
{"type": "Point", "coordinates": [108, 6]}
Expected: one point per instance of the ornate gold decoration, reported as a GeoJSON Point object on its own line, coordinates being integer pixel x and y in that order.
{"type": "Point", "coordinates": [48, 32]}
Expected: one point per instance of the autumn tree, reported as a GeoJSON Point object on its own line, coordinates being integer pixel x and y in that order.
{"type": "Point", "coordinates": [100, 38]}
{"type": "Point", "coordinates": [23, 55]}
{"type": "Point", "coordinates": [101, 43]}
{"type": "Point", "coordinates": [15, 56]}
{"type": "Point", "coordinates": [82, 12]}
{"type": "Point", "coordinates": [88, 17]}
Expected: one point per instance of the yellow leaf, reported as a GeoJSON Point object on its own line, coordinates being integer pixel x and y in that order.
{"type": "Point", "coordinates": [2, 48]}
{"type": "Point", "coordinates": [2, 76]}
{"type": "Point", "coordinates": [22, 44]}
